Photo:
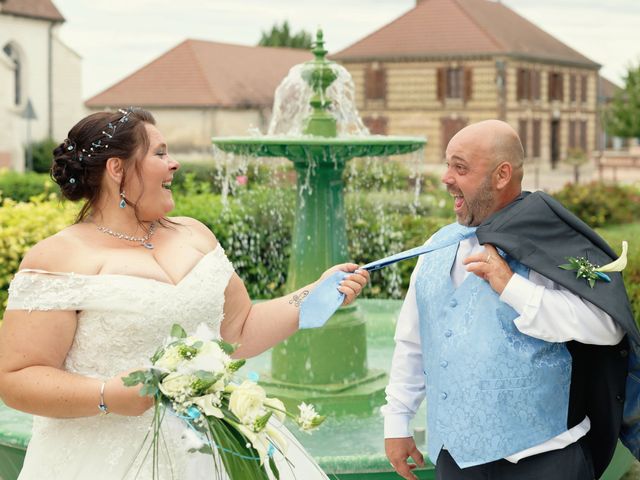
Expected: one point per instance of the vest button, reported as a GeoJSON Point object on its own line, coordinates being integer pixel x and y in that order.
{"type": "Point", "coordinates": [619, 398]}
{"type": "Point", "coordinates": [444, 364]}
{"type": "Point", "coordinates": [624, 353]}
{"type": "Point", "coordinates": [443, 395]}
{"type": "Point", "coordinates": [448, 333]}
{"type": "Point", "coordinates": [453, 302]}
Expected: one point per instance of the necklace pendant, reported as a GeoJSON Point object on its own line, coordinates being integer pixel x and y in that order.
{"type": "Point", "coordinates": [148, 245]}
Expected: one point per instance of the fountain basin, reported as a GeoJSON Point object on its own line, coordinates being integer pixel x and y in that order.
{"type": "Point", "coordinates": [346, 447]}
{"type": "Point", "coordinates": [321, 149]}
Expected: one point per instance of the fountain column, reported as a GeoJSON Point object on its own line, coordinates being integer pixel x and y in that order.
{"type": "Point", "coordinates": [325, 366]}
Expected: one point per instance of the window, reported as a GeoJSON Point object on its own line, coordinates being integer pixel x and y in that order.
{"type": "Point", "coordinates": [555, 86]}
{"type": "Point", "coordinates": [583, 135]}
{"type": "Point", "coordinates": [455, 82]}
{"type": "Point", "coordinates": [14, 56]}
{"type": "Point", "coordinates": [535, 150]}
{"type": "Point", "coordinates": [572, 88]}
{"type": "Point", "coordinates": [523, 127]}
{"type": "Point", "coordinates": [528, 84]}
{"type": "Point", "coordinates": [376, 125]}
{"type": "Point", "coordinates": [572, 134]}
{"type": "Point", "coordinates": [583, 88]}
{"type": "Point", "coordinates": [375, 82]}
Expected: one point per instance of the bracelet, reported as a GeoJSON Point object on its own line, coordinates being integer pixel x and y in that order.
{"type": "Point", "coordinates": [103, 408]}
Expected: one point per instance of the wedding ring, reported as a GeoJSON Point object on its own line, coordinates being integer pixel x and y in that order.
{"type": "Point", "coordinates": [488, 258]}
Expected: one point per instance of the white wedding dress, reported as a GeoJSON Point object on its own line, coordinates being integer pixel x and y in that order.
{"type": "Point", "coordinates": [122, 319]}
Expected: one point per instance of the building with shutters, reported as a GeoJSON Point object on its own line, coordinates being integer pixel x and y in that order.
{"type": "Point", "coordinates": [36, 67]}
{"type": "Point", "coordinates": [448, 63]}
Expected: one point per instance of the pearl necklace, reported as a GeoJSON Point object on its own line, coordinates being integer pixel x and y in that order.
{"type": "Point", "coordinates": [144, 241]}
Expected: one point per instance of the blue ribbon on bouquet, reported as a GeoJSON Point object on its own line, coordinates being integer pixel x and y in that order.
{"type": "Point", "coordinates": [325, 299]}
{"type": "Point", "coordinates": [193, 413]}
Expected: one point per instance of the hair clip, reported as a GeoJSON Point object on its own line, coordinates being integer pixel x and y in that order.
{"type": "Point", "coordinates": [108, 134]}
{"type": "Point", "coordinates": [72, 180]}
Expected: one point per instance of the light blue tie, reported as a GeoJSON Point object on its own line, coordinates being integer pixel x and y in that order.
{"type": "Point", "coordinates": [325, 299]}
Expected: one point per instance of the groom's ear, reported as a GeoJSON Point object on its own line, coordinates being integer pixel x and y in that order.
{"type": "Point", "coordinates": [115, 169]}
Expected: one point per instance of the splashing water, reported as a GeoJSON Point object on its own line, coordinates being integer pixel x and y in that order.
{"type": "Point", "coordinates": [291, 105]}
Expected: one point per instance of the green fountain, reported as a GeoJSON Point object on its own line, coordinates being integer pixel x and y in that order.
{"type": "Point", "coordinates": [327, 366]}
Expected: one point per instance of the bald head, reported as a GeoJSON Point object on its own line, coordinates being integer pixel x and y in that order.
{"type": "Point", "coordinates": [498, 142]}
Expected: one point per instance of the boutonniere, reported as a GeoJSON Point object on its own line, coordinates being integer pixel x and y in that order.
{"type": "Point", "coordinates": [590, 272]}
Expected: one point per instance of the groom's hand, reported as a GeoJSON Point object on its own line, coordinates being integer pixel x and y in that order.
{"type": "Point", "coordinates": [398, 450]}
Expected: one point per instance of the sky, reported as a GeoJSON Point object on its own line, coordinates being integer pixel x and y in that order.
{"type": "Point", "coordinates": [117, 37]}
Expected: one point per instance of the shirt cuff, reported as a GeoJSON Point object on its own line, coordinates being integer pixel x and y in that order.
{"type": "Point", "coordinates": [397, 426]}
{"type": "Point", "coordinates": [517, 292]}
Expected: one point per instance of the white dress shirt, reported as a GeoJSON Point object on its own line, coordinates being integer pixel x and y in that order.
{"type": "Point", "coordinates": [546, 311]}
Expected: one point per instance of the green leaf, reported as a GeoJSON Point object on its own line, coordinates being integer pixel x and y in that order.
{"type": "Point", "coordinates": [566, 266]}
{"type": "Point", "coordinates": [274, 468]}
{"type": "Point", "coordinates": [236, 365]}
{"type": "Point", "coordinates": [156, 356]}
{"type": "Point", "coordinates": [592, 282]}
{"type": "Point", "coordinates": [227, 347]}
{"type": "Point", "coordinates": [134, 378]}
{"type": "Point", "coordinates": [177, 331]}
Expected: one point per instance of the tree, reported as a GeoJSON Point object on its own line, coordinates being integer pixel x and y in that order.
{"type": "Point", "coordinates": [280, 36]}
{"type": "Point", "coordinates": [622, 117]}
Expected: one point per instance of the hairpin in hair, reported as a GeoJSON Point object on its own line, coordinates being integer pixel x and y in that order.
{"type": "Point", "coordinates": [72, 180]}
{"type": "Point", "coordinates": [108, 132]}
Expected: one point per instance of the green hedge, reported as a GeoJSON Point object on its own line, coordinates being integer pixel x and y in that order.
{"type": "Point", "coordinates": [600, 204]}
{"type": "Point", "coordinates": [22, 186]}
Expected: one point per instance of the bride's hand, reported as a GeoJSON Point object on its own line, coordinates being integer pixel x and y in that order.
{"type": "Point", "coordinates": [353, 284]}
{"type": "Point", "coordinates": [125, 400]}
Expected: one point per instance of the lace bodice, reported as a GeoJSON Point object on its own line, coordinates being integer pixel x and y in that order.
{"type": "Point", "coordinates": [122, 319]}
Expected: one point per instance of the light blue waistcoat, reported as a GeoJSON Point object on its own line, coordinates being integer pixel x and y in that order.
{"type": "Point", "coordinates": [491, 390]}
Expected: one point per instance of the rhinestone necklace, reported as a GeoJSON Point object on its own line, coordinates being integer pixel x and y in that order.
{"type": "Point", "coordinates": [144, 241]}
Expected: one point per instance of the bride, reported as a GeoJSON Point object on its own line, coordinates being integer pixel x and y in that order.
{"type": "Point", "coordinates": [93, 302]}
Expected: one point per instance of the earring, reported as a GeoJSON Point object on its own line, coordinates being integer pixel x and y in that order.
{"type": "Point", "coordinates": [123, 203]}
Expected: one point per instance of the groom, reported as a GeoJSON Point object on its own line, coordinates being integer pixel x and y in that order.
{"type": "Point", "coordinates": [491, 341]}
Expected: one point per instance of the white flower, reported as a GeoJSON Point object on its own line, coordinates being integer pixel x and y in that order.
{"type": "Point", "coordinates": [209, 405]}
{"type": "Point", "coordinates": [308, 419]}
{"type": "Point", "coordinates": [210, 358]}
{"type": "Point", "coordinates": [170, 359]}
{"type": "Point", "coordinates": [619, 264]}
{"type": "Point", "coordinates": [204, 333]}
{"type": "Point", "coordinates": [247, 402]}
{"type": "Point", "coordinates": [278, 408]}
{"type": "Point", "coordinates": [176, 384]}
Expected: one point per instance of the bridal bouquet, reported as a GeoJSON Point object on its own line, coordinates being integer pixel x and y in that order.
{"type": "Point", "coordinates": [192, 377]}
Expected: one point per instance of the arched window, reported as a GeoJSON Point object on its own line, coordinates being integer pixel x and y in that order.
{"type": "Point", "coordinates": [12, 52]}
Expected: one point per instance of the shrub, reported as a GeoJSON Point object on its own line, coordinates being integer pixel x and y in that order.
{"type": "Point", "coordinates": [254, 227]}
{"type": "Point", "coordinates": [615, 235]}
{"type": "Point", "coordinates": [42, 152]}
{"type": "Point", "coordinates": [22, 225]}
{"type": "Point", "coordinates": [22, 186]}
{"type": "Point", "coordinates": [600, 204]}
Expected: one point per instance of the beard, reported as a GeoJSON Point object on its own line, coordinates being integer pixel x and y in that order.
{"type": "Point", "coordinates": [480, 206]}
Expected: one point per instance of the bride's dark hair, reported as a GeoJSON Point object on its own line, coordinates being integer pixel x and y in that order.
{"type": "Point", "coordinates": [79, 162]}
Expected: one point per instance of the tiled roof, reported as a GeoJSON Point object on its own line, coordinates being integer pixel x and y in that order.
{"type": "Point", "coordinates": [437, 28]}
{"type": "Point", "coordinates": [607, 89]}
{"type": "Point", "coordinates": [200, 73]}
{"type": "Point", "coordinates": [44, 9]}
